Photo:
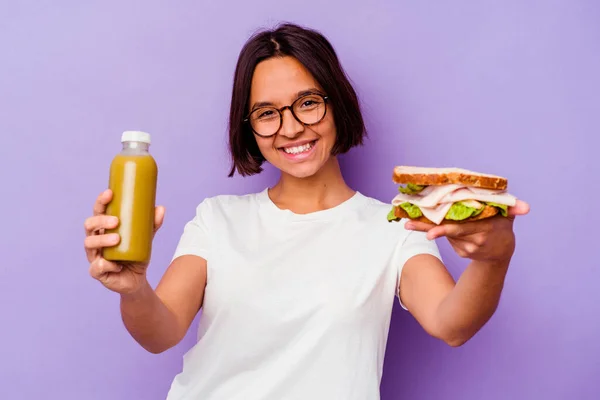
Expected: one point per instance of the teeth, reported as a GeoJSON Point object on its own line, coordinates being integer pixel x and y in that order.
{"type": "Point", "coordinates": [297, 149]}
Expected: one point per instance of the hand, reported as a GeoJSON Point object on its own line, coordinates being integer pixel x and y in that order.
{"type": "Point", "coordinates": [124, 278]}
{"type": "Point", "coordinates": [491, 239]}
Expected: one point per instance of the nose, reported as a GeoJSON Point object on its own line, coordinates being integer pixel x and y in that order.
{"type": "Point", "coordinates": [290, 126]}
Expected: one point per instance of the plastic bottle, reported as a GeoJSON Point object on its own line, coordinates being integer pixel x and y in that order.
{"type": "Point", "coordinates": [133, 178]}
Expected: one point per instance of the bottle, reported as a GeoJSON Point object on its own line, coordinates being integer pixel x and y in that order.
{"type": "Point", "coordinates": [133, 177]}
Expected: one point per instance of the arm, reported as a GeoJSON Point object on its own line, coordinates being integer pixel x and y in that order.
{"type": "Point", "coordinates": [159, 319]}
{"type": "Point", "coordinates": [455, 312]}
{"type": "Point", "coordinates": [452, 312]}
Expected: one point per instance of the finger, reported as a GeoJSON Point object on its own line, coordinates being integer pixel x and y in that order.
{"type": "Point", "coordinates": [101, 201]}
{"type": "Point", "coordinates": [95, 242]}
{"type": "Point", "coordinates": [457, 230]}
{"type": "Point", "coordinates": [159, 217]}
{"type": "Point", "coordinates": [521, 208]}
{"type": "Point", "coordinates": [477, 239]}
{"type": "Point", "coordinates": [461, 247]}
{"type": "Point", "coordinates": [418, 226]}
{"type": "Point", "coordinates": [465, 247]}
{"type": "Point", "coordinates": [97, 222]}
{"type": "Point", "coordinates": [101, 267]}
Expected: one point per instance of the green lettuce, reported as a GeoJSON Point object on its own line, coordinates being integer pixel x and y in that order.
{"type": "Point", "coordinates": [412, 210]}
{"type": "Point", "coordinates": [459, 212]}
{"type": "Point", "coordinates": [411, 188]}
{"type": "Point", "coordinates": [392, 215]}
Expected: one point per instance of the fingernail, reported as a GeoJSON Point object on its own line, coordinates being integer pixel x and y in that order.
{"type": "Point", "coordinates": [113, 220]}
{"type": "Point", "coordinates": [410, 225]}
{"type": "Point", "coordinates": [114, 237]}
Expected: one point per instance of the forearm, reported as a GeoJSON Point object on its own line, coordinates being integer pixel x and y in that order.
{"type": "Point", "coordinates": [149, 321]}
{"type": "Point", "coordinates": [472, 302]}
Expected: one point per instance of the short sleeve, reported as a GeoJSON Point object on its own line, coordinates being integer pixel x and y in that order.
{"type": "Point", "coordinates": [195, 239]}
{"type": "Point", "coordinates": [414, 244]}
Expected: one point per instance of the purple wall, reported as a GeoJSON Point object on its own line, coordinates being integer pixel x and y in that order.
{"type": "Point", "coordinates": [509, 89]}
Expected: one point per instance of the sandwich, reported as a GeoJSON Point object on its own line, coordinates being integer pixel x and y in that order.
{"type": "Point", "coordinates": [448, 195]}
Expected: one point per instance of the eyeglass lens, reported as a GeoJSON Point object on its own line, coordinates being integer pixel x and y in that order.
{"type": "Point", "coordinates": [308, 109]}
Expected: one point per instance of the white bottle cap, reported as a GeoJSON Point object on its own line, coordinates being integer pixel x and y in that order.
{"type": "Point", "coordinates": [135, 136]}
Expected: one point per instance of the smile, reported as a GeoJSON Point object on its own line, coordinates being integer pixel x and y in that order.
{"type": "Point", "coordinates": [298, 152]}
{"type": "Point", "coordinates": [299, 149]}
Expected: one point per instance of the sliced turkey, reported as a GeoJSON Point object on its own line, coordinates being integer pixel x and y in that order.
{"type": "Point", "coordinates": [435, 201]}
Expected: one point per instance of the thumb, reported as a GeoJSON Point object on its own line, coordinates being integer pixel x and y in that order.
{"type": "Point", "coordinates": [159, 217]}
{"type": "Point", "coordinates": [521, 208]}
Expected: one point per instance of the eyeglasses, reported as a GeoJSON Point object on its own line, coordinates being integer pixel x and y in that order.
{"type": "Point", "coordinates": [309, 109]}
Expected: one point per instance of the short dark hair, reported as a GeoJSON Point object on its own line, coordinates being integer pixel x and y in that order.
{"type": "Point", "coordinates": [318, 56]}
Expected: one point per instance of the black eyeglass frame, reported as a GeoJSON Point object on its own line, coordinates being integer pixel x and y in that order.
{"type": "Point", "coordinates": [291, 108]}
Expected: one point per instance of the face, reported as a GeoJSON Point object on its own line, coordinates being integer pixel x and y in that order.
{"type": "Point", "coordinates": [296, 149]}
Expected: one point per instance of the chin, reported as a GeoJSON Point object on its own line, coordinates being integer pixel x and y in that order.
{"type": "Point", "coordinates": [302, 174]}
{"type": "Point", "coordinates": [296, 166]}
{"type": "Point", "coordinates": [301, 171]}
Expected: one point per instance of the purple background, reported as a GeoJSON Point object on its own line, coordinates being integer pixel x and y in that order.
{"type": "Point", "coordinates": [503, 87]}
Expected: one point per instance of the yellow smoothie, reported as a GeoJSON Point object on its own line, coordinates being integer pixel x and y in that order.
{"type": "Point", "coordinates": [133, 179]}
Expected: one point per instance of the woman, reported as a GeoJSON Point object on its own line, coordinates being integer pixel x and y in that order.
{"type": "Point", "coordinates": [296, 283]}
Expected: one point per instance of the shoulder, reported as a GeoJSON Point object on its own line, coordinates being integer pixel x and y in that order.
{"type": "Point", "coordinates": [407, 243]}
{"type": "Point", "coordinates": [231, 200]}
{"type": "Point", "coordinates": [373, 215]}
{"type": "Point", "coordinates": [393, 233]}
{"type": "Point", "coordinates": [375, 204]}
{"type": "Point", "coordinates": [228, 206]}
{"type": "Point", "coordinates": [378, 210]}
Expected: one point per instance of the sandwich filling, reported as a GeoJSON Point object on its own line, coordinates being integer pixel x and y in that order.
{"type": "Point", "coordinates": [454, 201]}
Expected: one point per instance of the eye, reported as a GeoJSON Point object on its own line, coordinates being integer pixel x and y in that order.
{"type": "Point", "coordinates": [264, 114]}
{"type": "Point", "coordinates": [310, 102]}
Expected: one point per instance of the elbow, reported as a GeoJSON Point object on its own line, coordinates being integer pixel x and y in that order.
{"type": "Point", "coordinates": [153, 349]}
{"type": "Point", "coordinates": [454, 337]}
{"type": "Point", "coordinates": [457, 333]}
{"type": "Point", "coordinates": [456, 341]}
{"type": "Point", "coordinates": [159, 347]}
{"type": "Point", "coordinates": [450, 338]}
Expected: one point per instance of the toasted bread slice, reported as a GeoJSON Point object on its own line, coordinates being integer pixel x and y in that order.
{"type": "Point", "coordinates": [487, 212]}
{"type": "Point", "coordinates": [444, 176]}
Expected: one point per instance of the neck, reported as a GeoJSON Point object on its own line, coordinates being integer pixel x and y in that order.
{"type": "Point", "coordinates": [321, 191]}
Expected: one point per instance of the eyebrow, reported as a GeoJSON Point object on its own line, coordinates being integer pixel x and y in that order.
{"type": "Point", "coordinates": [298, 95]}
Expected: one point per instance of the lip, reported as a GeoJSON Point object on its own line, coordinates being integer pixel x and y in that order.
{"type": "Point", "coordinates": [301, 156]}
{"type": "Point", "coordinates": [296, 144]}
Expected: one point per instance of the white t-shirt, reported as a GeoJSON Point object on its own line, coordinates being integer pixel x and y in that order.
{"type": "Point", "coordinates": [296, 307]}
